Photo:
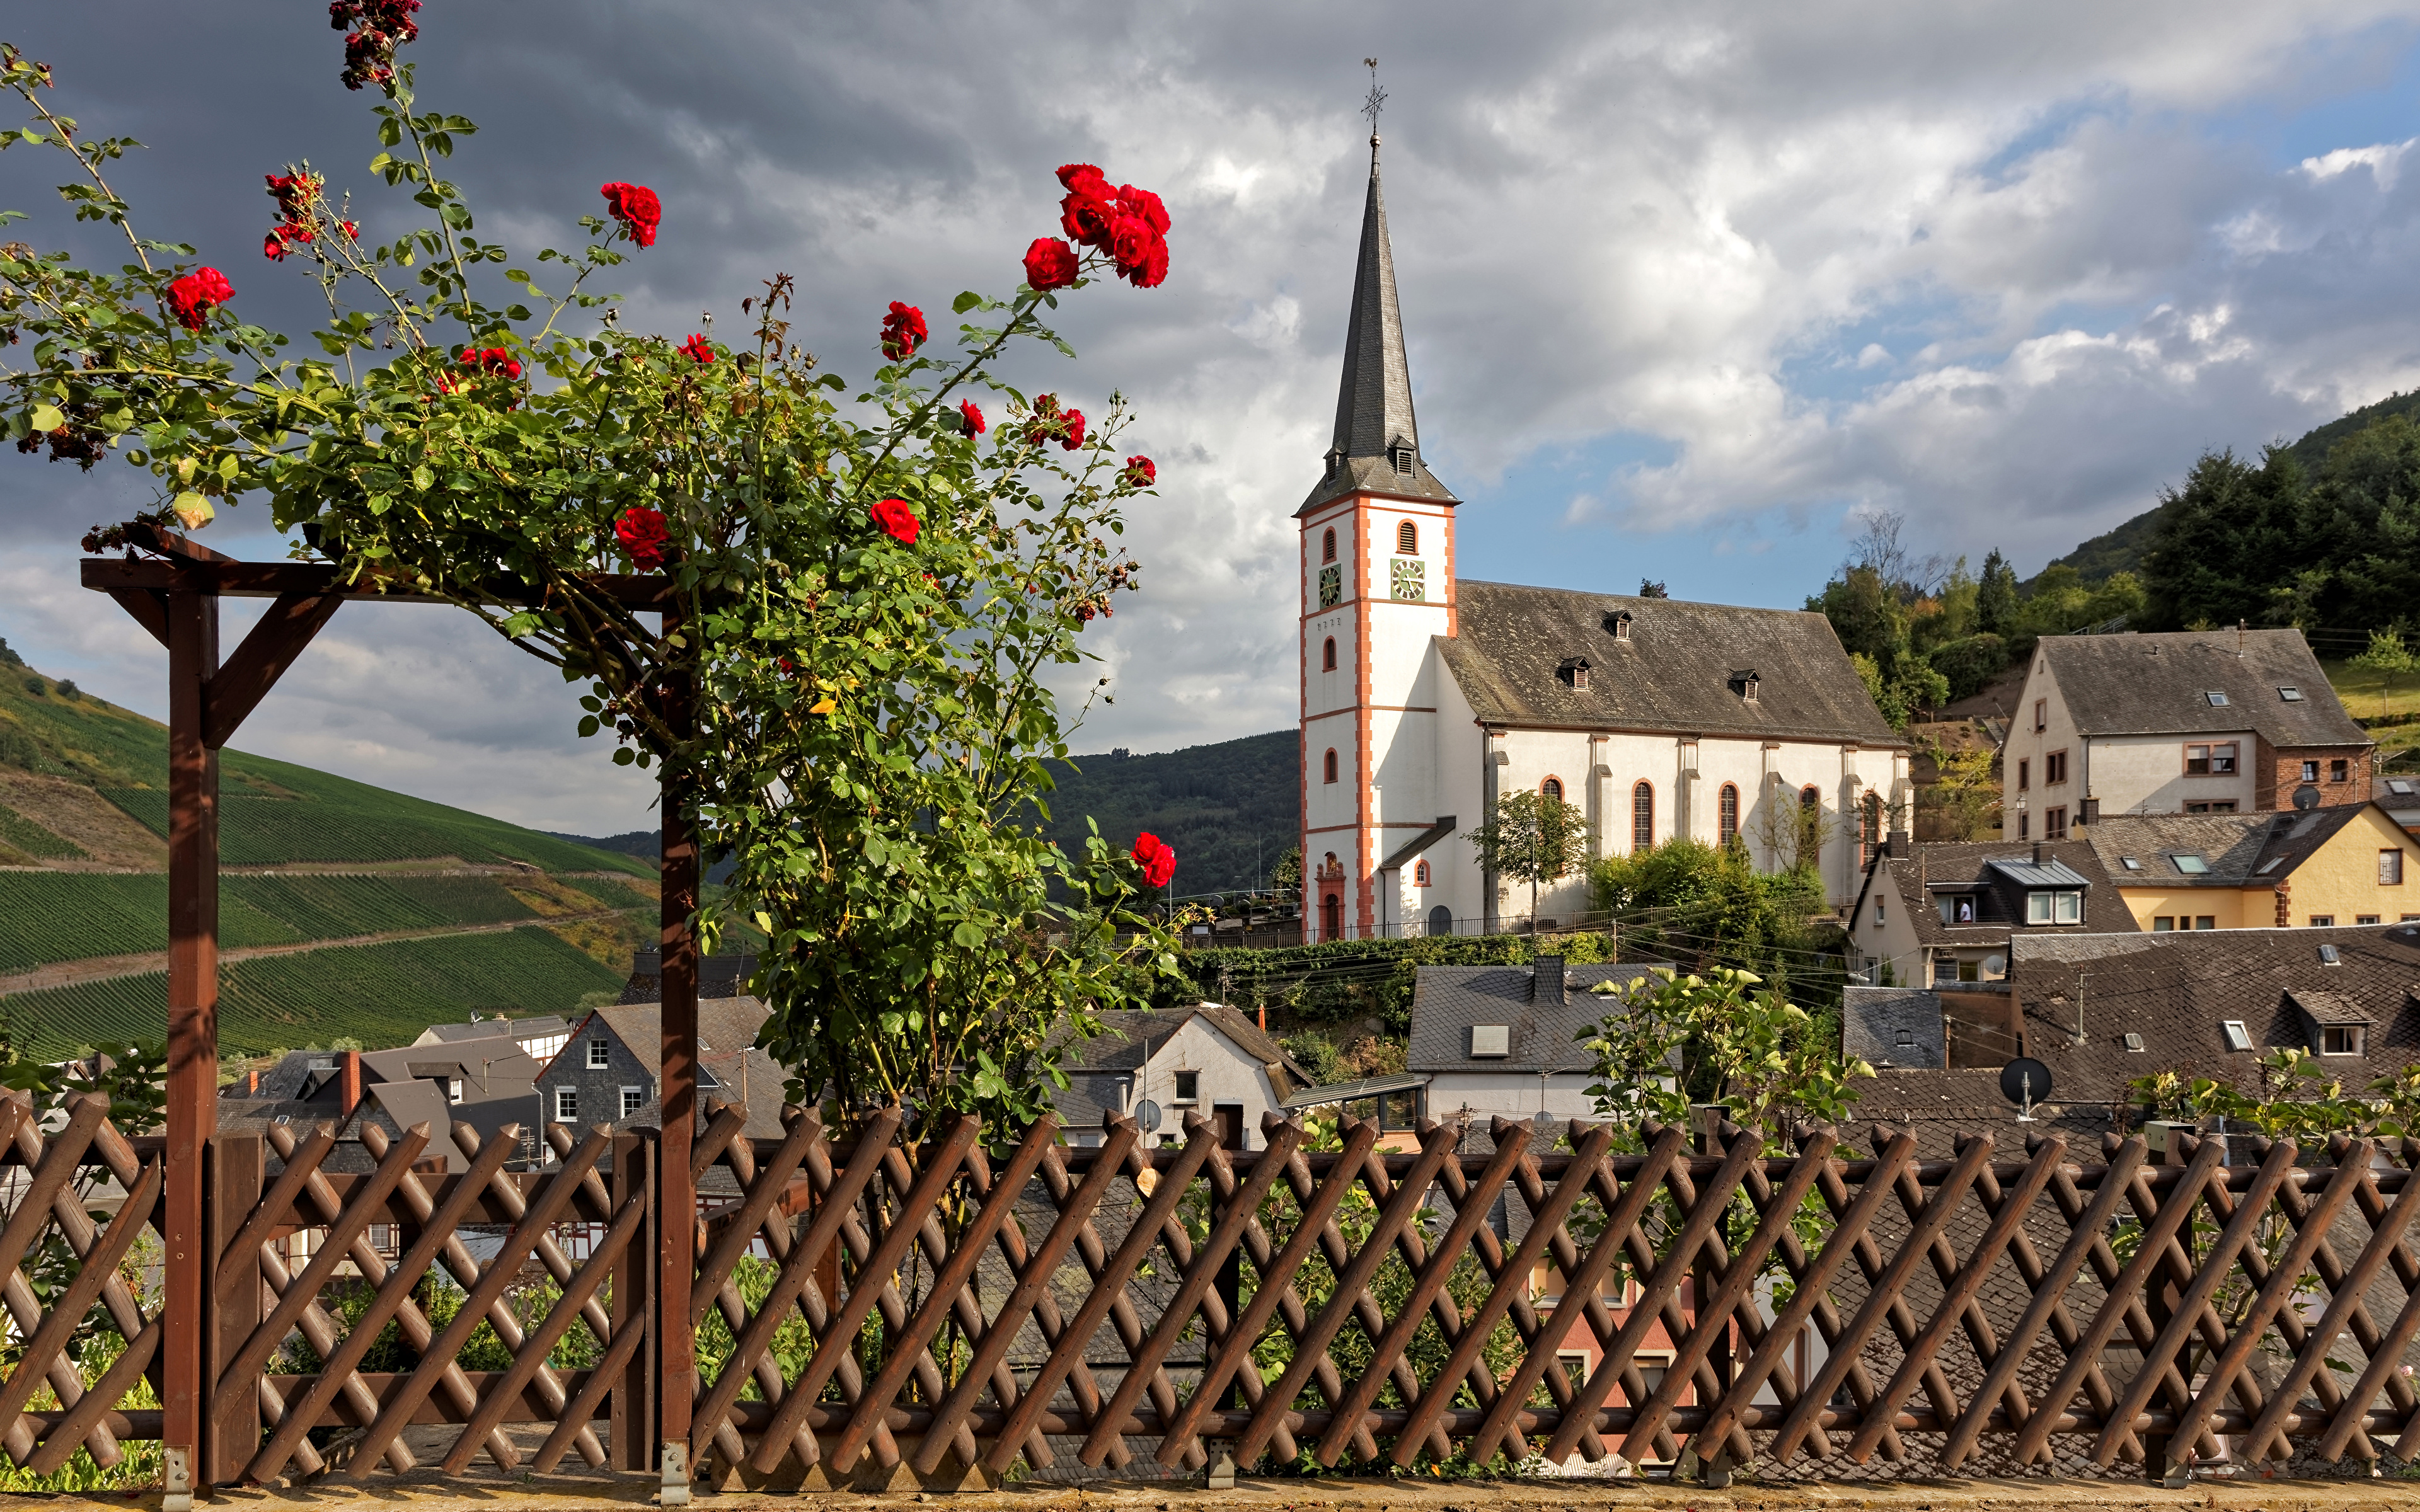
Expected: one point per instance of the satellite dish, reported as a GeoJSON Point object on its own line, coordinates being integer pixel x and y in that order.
{"type": "Point", "coordinates": [1148, 1115]}
{"type": "Point", "coordinates": [2025, 1081]}
{"type": "Point", "coordinates": [1997, 965]}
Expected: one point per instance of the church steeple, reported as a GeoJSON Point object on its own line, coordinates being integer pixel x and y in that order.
{"type": "Point", "coordinates": [1376, 447]}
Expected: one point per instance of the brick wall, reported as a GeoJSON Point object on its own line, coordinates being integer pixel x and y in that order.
{"type": "Point", "coordinates": [2284, 774]}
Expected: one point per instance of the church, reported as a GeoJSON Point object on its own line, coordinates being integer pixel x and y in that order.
{"type": "Point", "coordinates": [1425, 697]}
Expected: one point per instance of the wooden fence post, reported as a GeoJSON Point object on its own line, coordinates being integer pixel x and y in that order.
{"type": "Point", "coordinates": [237, 1165]}
{"type": "Point", "coordinates": [632, 1415]}
{"type": "Point", "coordinates": [192, 615]}
{"type": "Point", "coordinates": [677, 1237]}
{"type": "Point", "coordinates": [1713, 1468]}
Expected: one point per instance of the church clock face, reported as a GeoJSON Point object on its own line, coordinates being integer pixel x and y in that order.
{"type": "Point", "coordinates": [1409, 579]}
{"type": "Point", "coordinates": [1332, 587]}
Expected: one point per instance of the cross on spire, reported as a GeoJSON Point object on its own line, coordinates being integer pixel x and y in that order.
{"type": "Point", "coordinates": [1376, 102]}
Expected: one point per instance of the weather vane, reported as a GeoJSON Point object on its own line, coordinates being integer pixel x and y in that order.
{"type": "Point", "coordinates": [1378, 97]}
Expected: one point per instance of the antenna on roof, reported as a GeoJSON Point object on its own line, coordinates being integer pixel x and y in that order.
{"type": "Point", "coordinates": [1376, 102]}
{"type": "Point", "coordinates": [2239, 637]}
{"type": "Point", "coordinates": [2082, 973]}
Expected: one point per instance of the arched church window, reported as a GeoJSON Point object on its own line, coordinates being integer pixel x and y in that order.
{"type": "Point", "coordinates": [1331, 765]}
{"type": "Point", "coordinates": [1727, 815]}
{"type": "Point", "coordinates": [1869, 838]}
{"type": "Point", "coordinates": [1328, 656]}
{"type": "Point", "coordinates": [1642, 817]}
{"type": "Point", "coordinates": [1552, 787]}
{"type": "Point", "coordinates": [1419, 873]}
{"type": "Point", "coordinates": [1407, 538]}
{"type": "Point", "coordinates": [1809, 800]}
{"type": "Point", "coordinates": [1327, 545]}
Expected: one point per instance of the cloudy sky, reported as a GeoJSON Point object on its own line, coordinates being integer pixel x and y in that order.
{"type": "Point", "coordinates": [1688, 289]}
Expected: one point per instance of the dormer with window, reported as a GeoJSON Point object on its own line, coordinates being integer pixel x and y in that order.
{"type": "Point", "coordinates": [1404, 455]}
{"type": "Point", "coordinates": [2054, 905]}
{"type": "Point", "coordinates": [1617, 624]}
{"type": "Point", "coordinates": [2334, 1022]}
{"type": "Point", "coordinates": [1744, 682]}
{"type": "Point", "coordinates": [1574, 674]}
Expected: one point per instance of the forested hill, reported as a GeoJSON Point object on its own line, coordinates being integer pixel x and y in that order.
{"type": "Point", "coordinates": [1229, 809]}
{"type": "Point", "coordinates": [2122, 550]}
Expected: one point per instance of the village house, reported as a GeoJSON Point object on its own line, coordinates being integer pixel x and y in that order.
{"type": "Point", "coordinates": [1504, 1041]}
{"type": "Point", "coordinates": [2349, 865]}
{"type": "Point", "coordinates": [486, 1082]}
{"type": "Point", "coordinates": [1206, 1060]}
{"type": "Point", "coordinates": [2194, 722]}
{"type": "Point", "coordinates": [610, 1070]}
{"type": "Point", "coordinates": [1938, 917]}
{"type": "Point", "coordinates": [1426, 697]}
{"type": "Point", "coordinates": [540, 1035]}
{"type": "Point", "coordinates": [2400, 798]}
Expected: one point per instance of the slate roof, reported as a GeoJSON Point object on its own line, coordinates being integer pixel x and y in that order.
{"type": "Point", "coordinates": [1124, 1041]}
{"type": "Point", "coordinates": [1930, 867]}
{"type": "Point", "coordinates": [1373, 402]}
{"type": "Point", "coordinates": [1872, 1018]}
{"type": "Point", "coordinates": [2240, 849]}
{"type": "Point", "coordinates": [2400, 798]}
{"type": "Point", "coordinates": [2147, 684]}
{"type": "Point", "coordinates": [1674, 673]}
{"type": "Point", "coordinates": [2177, 991]}
{"type": "Point", "coordinates": [536, 1026]}
{"type": "Point", "coordinates": [1447, 1001]}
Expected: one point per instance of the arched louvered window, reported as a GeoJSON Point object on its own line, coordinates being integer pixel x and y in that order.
{"type": "Point", "coordinates": [1642, 817]}
{"type": "Point", "coordinates": [1331, 764]}
{"type": "Point", "coordinates": [1727, 815]}
{"type": "Point", "coordinates": [1328, 656]}
{"type": "Point", "coordinates": [1407, 538]}
{"type": "Point", "coordinates": [1327, 545]}
{"type": "Point", "coordinates": [1809, 800]}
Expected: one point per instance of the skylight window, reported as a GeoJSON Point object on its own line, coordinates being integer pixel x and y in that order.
{"type": "Point", "coordinates": [2270, 864]}
{"type": "Point", "coordinates": [2399, 787]}
{"type": "Point", "coordinates": [2190, 864]}
{"type": "Point", "coordinates": [2129, 863]}
{"type": "Point", "coordinates": [2330, 957]}
{"type": "Point", "coordinates": [2132, 1041]}
{"type": "Point", "coordinates": [2291, 695]}
{"type": "Point", "coordinates": [2238, 1037]}
{"type": "Point", "coordinates": [2217, 699]}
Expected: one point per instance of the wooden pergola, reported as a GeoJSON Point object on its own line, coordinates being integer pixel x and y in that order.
{"type": "Point", "coordinates": [175, 594]}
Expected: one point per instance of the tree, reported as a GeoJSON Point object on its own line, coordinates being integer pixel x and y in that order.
{"type": "Point", "coordinates": [1687, 901]}
{"type": "Point", "coordinates": [1995, 596]}
{"type": "Point", "coordinates": [1668, 1040]}
{"type": "Point", "coordinates": [865, 597]}
{"type": "Point", "coordinates": [1288, 872]}
{"type": "Point", "coordinates": [2227, 539]}
{"type": "Point", "coordinates": [1964, 793]}
{"type": "Point", "coordinates": [1531, 838]}
{"type": "Point", "coordinates": [2386, 655]}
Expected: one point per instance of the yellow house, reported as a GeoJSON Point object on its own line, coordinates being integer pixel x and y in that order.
{"type": "Point", "coordinates": [2349, 865]}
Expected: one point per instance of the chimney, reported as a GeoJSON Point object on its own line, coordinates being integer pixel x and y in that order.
{"type": "Point", "coordinates": [2041, 852]}
{"type": "Point", "coordinates": [352, 1083]}
{"type": "Point", "coordinates": [1895, 844]}
{"type": "Point", "coordinates": [1547, 980]}
{"type": "Point", "coordinates": [252, 1083]}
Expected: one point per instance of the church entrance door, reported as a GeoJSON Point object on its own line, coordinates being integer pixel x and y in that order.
{"type": "Point", "coordinates": [1440, 919]}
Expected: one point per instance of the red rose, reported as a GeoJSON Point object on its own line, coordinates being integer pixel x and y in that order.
{"type": "Point", "coordinates": [273, 246]}
{"type": "Point", "coordinates": [1049, 264]}
{"type": "Point", "coordinates": [636, 206]}
{"type": "Point", "coordinates": [903, 332]}
{"type": "Point", "coordinates": [1130, 241]}
{"type": "Point", "coordinates": [1084, 178]}
{"type": "Point", "coordinates": [1156, 859]}
{"type": "Point", "coordinates": [1086, 217]}
{"type": "Point", "coordinates": [1045, 419]}
{"type": "Point", "coordinates": [1075, 438]}
{"type": "Point", "coordinates": [642, 535]}
{"type": "Point", "coordinates": [191, 296]}
{"type": "Point", "coordinates": [898, 520]}
{"type": "Point", "coordinates": [696, 349]}
{"type": "Point", "coordinates": [1151, 268]}
{"type": "Point", "coordinates": [352, 229]}
{"type": "Point", "coordinates": [971, 416]}
{"type": "Point", "coordinates": [1144, 205]}
{"type": "Point", "coordinates": [1141, 472]}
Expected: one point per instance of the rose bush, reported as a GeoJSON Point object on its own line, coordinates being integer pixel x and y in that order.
{"type": "Point", "coordinates": [865, 597]}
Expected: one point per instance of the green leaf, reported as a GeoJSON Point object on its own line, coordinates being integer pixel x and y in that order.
{"type": "Point", "coordinates": [967, 300]}
{"type": "Point", "coordinates": [46, 417]}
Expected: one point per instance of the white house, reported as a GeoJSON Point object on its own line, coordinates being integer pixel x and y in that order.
{"type": "Point", "coordinates": [1425, 697]}
{"type": "Point", "coordinates": [2214, 721]}
{"type": "Point", "coordinates": [1505, 1040]}
{"type": "Point", "coordinates": [1206, 1059]}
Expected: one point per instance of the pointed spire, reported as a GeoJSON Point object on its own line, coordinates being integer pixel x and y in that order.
{"type": "Point", "coordinates": [1376, 445]}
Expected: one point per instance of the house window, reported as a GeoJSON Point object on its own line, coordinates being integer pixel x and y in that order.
{"type": "Point", "coordinates": [2049, 906]}
{"type": "Point", "coordinates": [2390, 869]}
{"type": "Point", "coordinates": [1575, 1364]}
{"type": "Point", "coordinates": [1328, 656]}
{"type": "Point", "coordinates": [1331, 765]}
{"type": "Point", "coordinates": [1407, 538]}
{"type": "Point", "coordinates": [1327, 545]}
{"type": "Point", "coordinates": [2340, 1039]}
{"type": "Point", "coordinates": [633, 1099]}
{"type": "Point", "coordinates": [2210, 761]}
{"type": "Point", "coordinates": [2212, 805]}
{"type": "Point", "coordinates": [2054, 768]}
{"type": "Point", "coordinates": [2339, 770]}
{"type": "Point", "coordinates": [1188, 1086]}
{"type": "Point", "coordinates": [2055, 823]}
{"type": "Point", "coordinates": [2358, 918]}
{"type": "Point", "coordinates": [1727, 815]}
{"type": "Point", "coordinates": [1642, 817]}
{"type": "Point", "coordinates": [1810, 798]}
{"type": "Point", "coordinates": [2025, 823]}
{"type": "Point", "coordinates": [2165, 923]}
{"type": "Point", "coordinates": [2041, 715]}
{"type": "Point", "coordinates": [600, 1054]}
{"type": "Point", "coordinates": [1620, 623]}
{"type": "Point", "coordinates": [2238, 1037]}
{"type": "Point", "coordinates": [2310, 771]}
{"type": "Point", "coordinates": [1956, 908]}
{"type": "Point", "coordinates": [2024, 774]}
{"type": "Point", "coordinates": [566, 1104]}
{"type": "Point", "coordinates": [2323, 921]}
{"type": "Point", "coordinates": [1419, 873]}
{"type": "Point", "coordinates": [1551, 788]}
{"type": "Point", "coordinates": [1408, 579]}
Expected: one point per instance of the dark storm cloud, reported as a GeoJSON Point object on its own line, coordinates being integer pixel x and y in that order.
{"type": "Point", "coordinates": [2002, 268]}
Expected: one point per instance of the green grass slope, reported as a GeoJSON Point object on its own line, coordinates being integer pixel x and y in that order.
{"type": "Point", "coordinates": [380, 995]}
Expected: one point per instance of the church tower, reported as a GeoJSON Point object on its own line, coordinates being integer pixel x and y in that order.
{"type": "Point", "coordinates": [1377, 588]}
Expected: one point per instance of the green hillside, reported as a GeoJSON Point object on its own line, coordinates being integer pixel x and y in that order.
{"type": "Point", "coordinates": [83, 822]}
{"type": "Point", "coordinates": [1229, 809]}
{"type": "Point", "coordinates": [380, 995]}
